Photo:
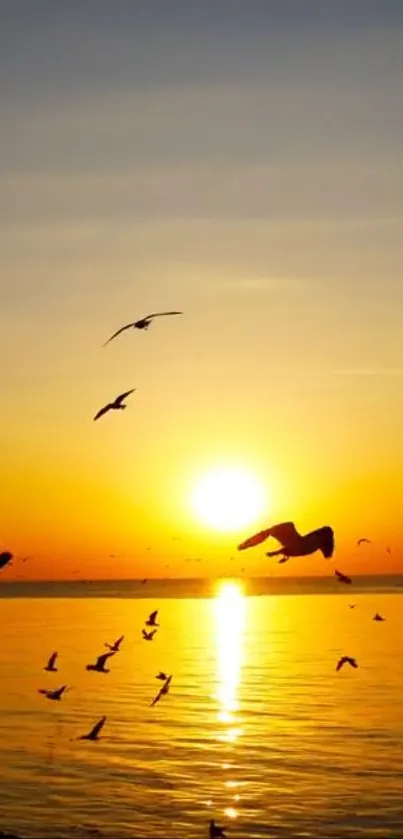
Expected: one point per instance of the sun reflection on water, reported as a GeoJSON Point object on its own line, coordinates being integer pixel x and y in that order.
{"type": "Point", "coordinates": [230, 613]}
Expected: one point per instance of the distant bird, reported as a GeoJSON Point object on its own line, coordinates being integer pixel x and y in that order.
{"type": "Point", "coordinates": [94, 733]}
{"type": "Point", "coordinates": [162, 676]}
{"type": "Point", "coordinates": [148, 636]}
{"type": "Point", "coordinates": [388, 550]}
{"type": "Point", "coordinates": [99, 665]}
{"type": "Point", "coordinates": [5, 558]}
{"type": "Point", "coordinates": [50, 667]}
{"type": "Point", "coordinates": [117, 405]}
{"type": "Point", "coordinates": [215, 831]}
{"type": "Point", "coordinates": [144, 323]}
{"type": "Point", "coordinates": [164, 690]}
{"type": "Point", "coordinates": [115, 647]}
{"type": "Point", "coordinates": [143, 582]}
{"type": "Point", "coordinates": [363, 542]}
{"type": "Point", "coordinates": [293, 543]}
{"type": "Point", "coordinates": [378, 617]}
{"type": "Point", "coordinates": [346, 660]}
{"type": "Point", "coordinates": [342, 577]}
{"type": "Point", "coordinates": [152, 620]}
{"type": "Point", "coordinates": [352, 605]}
{"type": "Point", "coordinates": [54, 694]}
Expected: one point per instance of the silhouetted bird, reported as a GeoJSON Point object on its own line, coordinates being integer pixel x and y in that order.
{"type": "Point", "coordinates": [5, 558]}
{"type": "Point", "coordinates": [345, 659]}
{"type": "Point", "coordinates": [363, 542]}
{"type": "Point", "coordinates": [293, 543]}
{"type": "Point", "coordinates": [99, 665]}
{"type": "Point", "coordinates": [152, 620]}
{"type": "Point", "coordinates": [378, 617]}
{"type": "Point", "coordinates": [115, 647]}
{"type": "Point", "coordinates": [162, 676]}
{"type": "Point", "coordinates": [352, 605]}
{"type": "Point", "coordinates": [94, 733]}
{"type": "Point", "coordinates": [342, 577]}
{"type": "Point", "coordinates": [215, 831]}
{"type": "Point", "coordinates": [50, 667]}
{"type": "Point", "coordinates": [164, 690]}
{"type": "Point", "coordinates": [53, 694]}
{"type": "Point", "coordinates": [148, 636]}
{"type": "Point", "coordinates": [144, 323]}
{"type": "Point", "coordinates": [117, 405]}
{"type": "Point", "coordinates": [143, 582]}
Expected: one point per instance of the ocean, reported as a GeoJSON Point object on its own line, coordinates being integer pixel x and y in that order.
{"type": "Point", "coordinates": [258, 731]}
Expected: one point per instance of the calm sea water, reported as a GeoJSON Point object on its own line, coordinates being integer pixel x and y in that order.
{"type": "Point", "coordinates": [258, 730]}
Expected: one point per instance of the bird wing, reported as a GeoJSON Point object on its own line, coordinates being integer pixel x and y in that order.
{"type": "Point", "coordinates": [161, 314]}
{"type": "Point", "coordinates": [118, 332]}
{"type": "Point", "coordinates": [153, 615]}
{"type": "Point", "coordinates": [340, 663]}
{"type": "Point", "coordinates": [102, 411]}
{"type": "Point", "coordinates": [363, 541]}
{"type": "Point", "coordinates": [326, 541]}
{"type": "Point", "coordinates": [145, 634]}
{"type": "Point", "coordinates": [44, 692]}
{"type": "Point", "coordinates": [103, 658]}
{"type": "Point", "coordinates": [119, 641]}
{"type": "Point", "coordinates": [284, 533]}
{"type": "Point", "coordinates": [97, 727]}
{"type": "Point", "coordinates": [52, 660]}
{"type": "Point", "coordinates": [5, 557]}
{"type": "Point", "coordinates": [122, 396]}
{"type": "Point", "coordinates": [162, 692]}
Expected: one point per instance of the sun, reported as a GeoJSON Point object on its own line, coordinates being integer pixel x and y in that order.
{"type": "Point", "coordinates": [228, 498]}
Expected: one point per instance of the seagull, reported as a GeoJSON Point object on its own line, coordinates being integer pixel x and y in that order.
{"type": "Point", "coordinates": [117, 405]}
{"type": "Point", "coordinates": [346, 660]}
{"type": "Point", "coordinates": [54, 694]}
{"type": "Point", "coordinates": [363, 542]}
{"type": "Point", "coordinates": [50, 667]}
{"type": "Point", "coordinates": [342, 577]}
{"type": "Point", "coordinates": [148, 636]}
{"type": "Point", "coordinates": [352, 605]}
{"type": "Point", "coordinates": [162, 676]}
{"type": "Point", "coordinates": [144, 323]}
{"type": "Point", "coordinates": [378, 617]}
{"type": "Point", "coordinates": [115, 647]}
{"type": "Point", "coordinates": [164, 690]}
{"type": "Point", "coordinates": [294, 544]}
{"type": "Point", "coordinates": [215, 831]}
{"type": "Point", "coordinates": [99, 665]}
{"type": "Point", "coordinates": [94, 733]}
{"type": "Point", "coordinates": [5, 558]}
{"type": "Point", "coordinates": [152, 620]}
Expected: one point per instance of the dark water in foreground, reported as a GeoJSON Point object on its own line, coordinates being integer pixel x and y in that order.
{"type": "Point", "coordinates": [258, 730]}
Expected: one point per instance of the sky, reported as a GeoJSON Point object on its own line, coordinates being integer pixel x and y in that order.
{"type": "Point", "coordinates": [240, 162]}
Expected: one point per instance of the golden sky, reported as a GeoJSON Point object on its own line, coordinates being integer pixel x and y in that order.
{"type": "Point", "coordinates": [243, 166]}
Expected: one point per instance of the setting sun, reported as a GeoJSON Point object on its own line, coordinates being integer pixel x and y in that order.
{"type": "Point", "coordinates": [228, 498]}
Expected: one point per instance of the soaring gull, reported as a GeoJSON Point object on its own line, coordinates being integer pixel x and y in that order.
{"type": "Point", "coordinates": [117, 405]}
{"type": "Point", "coordinates": [144, 323]}
{"type": "Point", "coordinates": [345, 659]}
{"type": "Point", "coordinates": [294, 544]}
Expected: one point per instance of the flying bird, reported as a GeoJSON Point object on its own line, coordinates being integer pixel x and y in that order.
{"type": "Point", "coordinates": [115, 647]}
{"type": "Point", "coordinates": [152, 620]}
{"type": "Point", "coordinates": [345, 659]}
{"type": "Point", "coordinates": [294, 544]}
{"type": "Point", "coordinates": [99, 665]}
{"type": "Point", "coordinates": [215, 831]}
{"type": "Point", "coordinates": [54, 694]}
{"type": "Point", "coordinates": [378, 617]}
{"type": "Point", "coordinates": [164, 690]}
{"type": "Point", "coordinates": [162, 676]}
{"type": "Point", "coordinates": [363, 542]}
{"type": "Point", "coordinates": [5, 558]}
{"type": "Point", "coordinates": [148, 636]}
{"type": "Point", "coordinates": [50, 667]}
{"type": "Point", "coordinates": [117, 405]}
{"type": "Point", "coordinates": [94, 733]}
{"type": "Point", "coordinates": [342, 577]}
{"type": "Point", "coordinates": [352, 605]}
{"type": "Point", "coordinates": [143, 323]}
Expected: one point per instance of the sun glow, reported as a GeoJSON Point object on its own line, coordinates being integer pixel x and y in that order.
{"type": "Point", "coordinates": [228, 499]}
{"type": "Point", "coordinates": [230, 608]}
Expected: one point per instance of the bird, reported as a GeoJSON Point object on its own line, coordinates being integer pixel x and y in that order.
{"type": "Point", "coordinates": [5, 558]}
{"type": "Point", "coordinates": [215, 831]}
{"type": "Point", "coordinates": [342, 577]}
{"type": "Point", "coordinates": [115, 647]}
{"type": "Point", "coordinates": [164, 690]}
{"type": "Point", "coordinates": [99, 665]}
{"type": "Point", "coordinates": [363, 542]}
{"type": "Point", "coordinates": [352, 605]}
{"type": "Point", "coordinates": [162, 676]}
{"type": "Point", "coordinates": [378, 617]}
{"type": "Point", "coordinates": [54, 694]}
{"type": "Point", "coordinates": [294, 544]}
{"type": "Point", "coordinates": [148, 636]}
{"type": "Point", "coordinates": [94, 733]}
{"type": "Point", "coordinates": [152, 620]}
{"type": "Point", "coordinates": [143, 323]}
{"type": "Point", "coordinates": [117, 405]}
{"type": "Point", "coordinates": [50, 667]}
{"type": "Point", "coordinates": [345, 659]}
{"type": "Point", "coordinates": [143, 582]}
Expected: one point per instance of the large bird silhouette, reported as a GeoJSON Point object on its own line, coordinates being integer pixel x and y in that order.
{"type": "Point", "coordinates": [293, 543]}
{"type": "Point", "coordinates": [143, 323]}
{"type": "Point", "coordinates": [5, 558]}
{"type": "Point", "coordinates": [117, 405]}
